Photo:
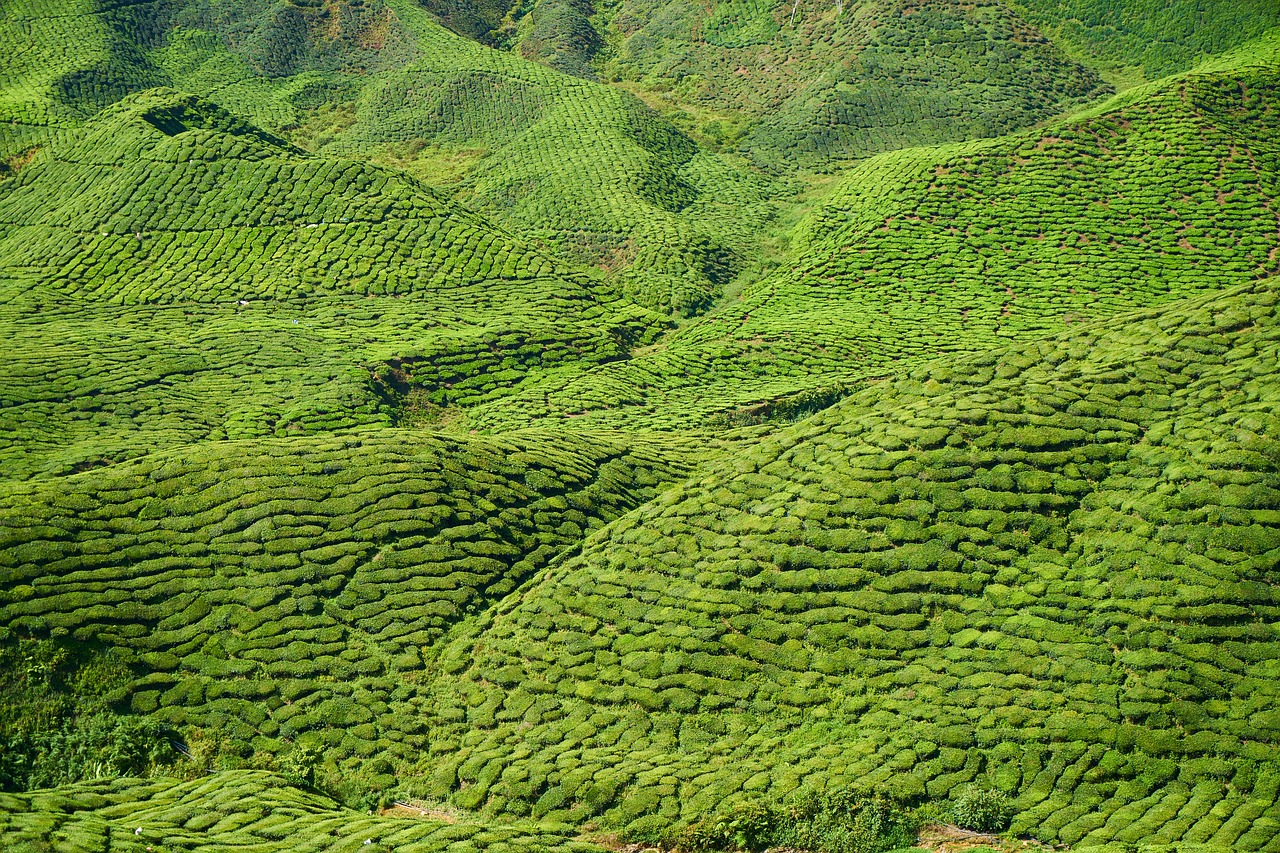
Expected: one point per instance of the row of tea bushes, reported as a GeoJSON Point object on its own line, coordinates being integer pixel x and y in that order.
{"type": "Point", "coordinates": [1050, 565]}
{"type": "Point", "coordinates": [244, 810]}
{"type": "Point", "coordinates": [1164, 193]}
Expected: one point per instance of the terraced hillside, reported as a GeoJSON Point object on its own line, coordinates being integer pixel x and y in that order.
{"type": "Point", "coordinates": [173, 274]}
{"type": "Point", "coordinates": [1149, 39]}
{"type": "Point", "coordinates": [240, 811]}
{"type": "Point", "coordinates": [269, 592]}
{"type": "Point", "coordinates": [588, 170]}
{"type": "Point", "coordinates": [434, 425]}
{"type": "Point", "coordinates": [1161, 193]}
{"type": "Point", "coordinates": [829, 84]}
{"type": "Point", "coordinates": [1046, 570]}
{"type": "Point", "coordinates": [1050, 568]}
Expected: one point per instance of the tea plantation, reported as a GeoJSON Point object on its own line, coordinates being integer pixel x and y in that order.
{"type": "Point", "coordinates": [174, 274]}
{"type": "Point", "coordinates": [448, 426]}
{"type": "Point", "coordinates": [1051, 568]}
{"type": "Point", "coordinates": [1164, 192]}
{"type": "Point", "coordinates": [586, 169]}
{"type": "Point", "coordinates": [831, 85]}
{"type": "Point", "coordinates": [240, 811]}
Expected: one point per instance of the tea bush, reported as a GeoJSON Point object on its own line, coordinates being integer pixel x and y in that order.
{"type": "Point", "coordinates": [980, 808]}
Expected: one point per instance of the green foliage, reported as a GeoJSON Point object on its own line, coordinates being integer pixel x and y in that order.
{"type": "Point", "coordinates": [245, 810]}
{"type": "Point", "coordinates": [966, 493]}
{"type": "Point", "coordinates": [840, 822]}
{"type": "Point", "coordinates": [982, 569]}
{"type": "Point", "coordinates": [981, 808]}
{"type": "Point", "coordinates": [1158, 38]}
{"type": "Point", "coordinates": [929, 253]}
{"type": "Point", "coordinates": [876, 77]}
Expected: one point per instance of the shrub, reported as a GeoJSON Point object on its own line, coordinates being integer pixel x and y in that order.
{"type": "Point", "coordinates": [982, 809]}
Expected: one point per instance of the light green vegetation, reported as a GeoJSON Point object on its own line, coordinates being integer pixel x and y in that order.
{"type": "Point", "coordinates": [658, 452]}
{"type": "Point", "coordinates": [271, 590]}
{"type": "Point", "coordinates": [242, 810]}
{"type": "Point", "coordinates": [281, 292]}
{"type": "Point", "coordinates": [1165, 192]}
{"type": "Point", "coordinates": [1050, 566]}
{"type": "Point", "coordinates": [588, 170]}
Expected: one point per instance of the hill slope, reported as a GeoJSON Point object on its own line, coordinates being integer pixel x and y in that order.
{"type": "Point", "coordinates": [1148, 38]}
{"type": "Point", "coordinates": [262, 592]}
{"type": "Point", "coordinates": [1161, 193]}
{"type": "Point", "coordinates": [588, 170]}
{"type": "Point", "coordinates": [829, 84]}
{"type": "Point", "coordinates": [245, 810]}
{"type": "Point", "coordinates": [1047, 570]}
{"type": "Point", "coordinates": [284, 292]}
{"type": "Point", "coordinates": [1051, 567]}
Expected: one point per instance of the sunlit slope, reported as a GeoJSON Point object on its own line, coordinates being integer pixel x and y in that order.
{"type": "Point", "coordinates": [240, 811]}
{"type": "Point", "coordinates": [812, 84]}
{"type": "Point", "coordinates": [172, 274]}
{"type": "Point", "coordinates": [265, 591]}
{"type": "Point", "coordinates": [1051, 567]}
{"type": "Point", "coordinates": [1168, 191]}
{"type": "Point", "coordinates": [166, 197]}
{"type": "Point", "coordinates": [587, 169]}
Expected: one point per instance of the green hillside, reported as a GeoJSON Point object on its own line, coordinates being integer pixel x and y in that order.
{"type": "Point", "coordinates": [1147, 38]}
{"type": "Point", "coordinates": [240, 811]}
{"type": "Point", "coordinates": [273, 590]}
{"type": "Point", "coordinates": [843, 81]}
{"type": "Point", "coordinates": [1162, 193]}
{"type": "Point", "coordinates": [220, 284]}
{"type": "Point", "coordinates": [1050, 569]}
{"type": "Point", "coordinates": [486, 427]}
{"type": "Point", "coordinates": [1045, 570]}
{"type": "Point", "coordinates": [587, 170]}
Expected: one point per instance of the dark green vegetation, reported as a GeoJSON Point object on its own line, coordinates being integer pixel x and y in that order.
{"type": "Point", "coordinates": [592, 424]}
{"type": "Point", "coordinates": [1149, 38]}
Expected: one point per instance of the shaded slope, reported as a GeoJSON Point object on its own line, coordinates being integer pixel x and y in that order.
{"type": "Point", "coordinates": [61, 62]}
{"type": "Point", "coordinates": [291, 292]}
{"type": "Point", "coordinates": [1052, 567]}
{"type": "Point", "coordinates": [1149, 37]}
{"type": "Point", "coordinates": [267, 591]}
{"type": "Point", "coordinates": [1167, 191]}
{"type": "Point", "coordinates": [240, 810]}
{"type": "Point", "coordinates": [839, 82]}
